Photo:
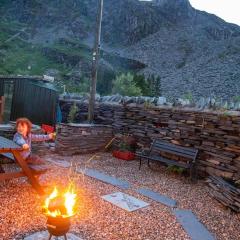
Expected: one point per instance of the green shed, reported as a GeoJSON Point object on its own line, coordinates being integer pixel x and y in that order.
{"type": "Point", "coordinates": [31, 97]}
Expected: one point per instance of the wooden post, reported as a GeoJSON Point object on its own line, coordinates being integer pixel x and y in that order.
{"type": "Point", "coordinates": [95, 60]}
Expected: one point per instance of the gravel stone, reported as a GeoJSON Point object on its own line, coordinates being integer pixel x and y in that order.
{"type": "Point", "coordinates": [21, 208]}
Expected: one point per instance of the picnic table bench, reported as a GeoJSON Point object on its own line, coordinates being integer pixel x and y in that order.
{"type": "Point", "coordinates": [159, 147]}
{"type": "Point", "coordinates": [11, 150]}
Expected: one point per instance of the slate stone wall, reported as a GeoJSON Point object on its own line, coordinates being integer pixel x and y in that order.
{"type": "Point", "coordinates": [215, 134]}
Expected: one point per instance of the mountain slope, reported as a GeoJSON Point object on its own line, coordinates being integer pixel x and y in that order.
{"type": "Point", "coordinates": [192, 51]}
{"type": "Point", "coordinates": [189, 60]}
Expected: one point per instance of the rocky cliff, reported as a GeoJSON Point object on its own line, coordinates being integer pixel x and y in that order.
{"type": "Point", "coordinates": [192, 51]}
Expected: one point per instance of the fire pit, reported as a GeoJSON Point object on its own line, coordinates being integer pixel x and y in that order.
{"type": "Point", "coordinates": [58, 226]}
{"type": "Point", "coordinates": [59, 208]}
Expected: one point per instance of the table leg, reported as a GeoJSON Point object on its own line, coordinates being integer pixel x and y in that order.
{"type": "Point", "coordinates": [1, 169]}
{"type": "Point", "coordinates": [28, 172]}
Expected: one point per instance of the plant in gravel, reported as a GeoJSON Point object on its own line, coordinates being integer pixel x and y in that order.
{"type": "Point", "coordinates": [237, 183]}
{"type": "Point", "coordinates": [175, 169]}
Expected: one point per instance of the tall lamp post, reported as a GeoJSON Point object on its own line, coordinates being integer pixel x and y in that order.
{"type": "Point", "coordinates": [95, 61]}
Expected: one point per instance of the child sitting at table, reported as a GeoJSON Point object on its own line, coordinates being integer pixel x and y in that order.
{"type": "Point", "coordinates": [24, 138]}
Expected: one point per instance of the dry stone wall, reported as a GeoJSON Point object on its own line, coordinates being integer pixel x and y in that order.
{"type": "Point", "coordinates": [82, 138]}
{"type": "Point", "coordinates": [215, 134]}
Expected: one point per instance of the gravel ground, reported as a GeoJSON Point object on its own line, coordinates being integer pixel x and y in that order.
{"type": "Point", "coordinates": [96, 219]}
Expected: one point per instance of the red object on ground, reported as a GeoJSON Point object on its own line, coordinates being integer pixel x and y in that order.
{"type": "Point", "coordinates": [47, 128]}
{"type": "Point", "coordinates": [123, 155]}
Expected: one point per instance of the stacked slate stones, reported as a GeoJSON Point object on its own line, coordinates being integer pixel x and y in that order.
{"type": "Point", "coordinates": [225, 193]}
{"type": "Point", "coordinates": [82, 138]}
{"type": "Point", "coordinates": [215, 134]}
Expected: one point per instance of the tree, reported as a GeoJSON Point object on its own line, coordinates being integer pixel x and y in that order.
{"type": "Point", "coordinates": [124, 85]}
{"type": "Point", "coordinates": [155, 85]}
{"type": "Point", "coordinates": [143, 84]}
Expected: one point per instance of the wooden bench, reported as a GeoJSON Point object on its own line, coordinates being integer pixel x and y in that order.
{"type": "Point", "coordinates": [11, 150]}
{"type": "Point", "coordinates": [159, 147]}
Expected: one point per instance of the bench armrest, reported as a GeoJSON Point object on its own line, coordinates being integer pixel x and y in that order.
{"type": "Point", "coordinates": [144, 152]}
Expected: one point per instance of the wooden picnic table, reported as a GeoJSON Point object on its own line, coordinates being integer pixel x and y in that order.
{"type": "Point", "coordinates": [11, 150]}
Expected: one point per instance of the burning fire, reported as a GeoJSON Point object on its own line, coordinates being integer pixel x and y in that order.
{"type": "Point", "coordinates": [60, 205]}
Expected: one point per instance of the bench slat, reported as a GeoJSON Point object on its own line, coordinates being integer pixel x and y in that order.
{"type": "Point", "coordinates": [159, 149]}
{"type": "Point", "coordinates": [167, 161]}
{"type": "Point", "coordinates": [176, 148]}
{"type": "Point", "coordinates": [188, 149]}
{"type": "Point", "coordinates": [172, 152]}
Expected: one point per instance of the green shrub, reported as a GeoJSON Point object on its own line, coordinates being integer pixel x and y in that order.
{"type": "Point", "coordinates": [143, 84]}
{"type": "Point", "coordinates": [72, 113]}
{"type": "Point", "coordinates": [150, 86]}
{"type": "Point", "coordinates": [236, 98]}
{"type": "Point", "coordinates": [127, 143]}
{"type": "Point", "coordinates": [175, 169]}
{"type": "Point", "coordinates": [124, 147]}
{"type": "Point", "coordinates": [125, 86]}
{"type": "Point", "coordinates": [155, 85]}
{"type": "Point", "coordinates": [188, 96]}
{"type": "Point", "coordinates": [237, 183]}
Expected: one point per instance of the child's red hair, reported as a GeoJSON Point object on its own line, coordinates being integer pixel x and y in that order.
{"type": "Point", "coordinates": [22, 121]}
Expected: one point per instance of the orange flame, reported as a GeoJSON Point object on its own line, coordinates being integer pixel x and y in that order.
{"type": "Point", "coordinates": [68, 203]}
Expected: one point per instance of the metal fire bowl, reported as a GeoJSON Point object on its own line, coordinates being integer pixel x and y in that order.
{"type": "Point", "coordinates": [58, 226]}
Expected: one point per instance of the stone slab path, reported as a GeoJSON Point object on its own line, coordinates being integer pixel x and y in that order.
{"type": "Point", "coordinates": [44, 235]}
{"type": "Point", "coordinates": [195, 229]}
{"type": "Point", "coordinates": [157, 197]}
{"type": "Point", "coordinates": [125, 201]}
{"type": "Point", "coordinates": [190, 223]}
{"type": "Point", "coordinates": [105, 178]}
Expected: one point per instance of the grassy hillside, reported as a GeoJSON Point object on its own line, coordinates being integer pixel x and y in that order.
{"type": "Point", "coordinates": [69, 58]}
{"type": "Point", "coordinates": [20, 57]}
